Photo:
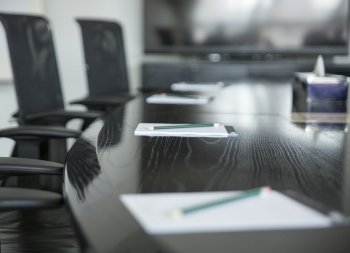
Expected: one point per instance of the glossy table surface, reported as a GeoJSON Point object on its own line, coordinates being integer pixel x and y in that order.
{"type": "Point", "coordinates": [108, 160]}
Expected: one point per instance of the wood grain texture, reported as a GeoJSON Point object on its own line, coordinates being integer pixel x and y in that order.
{"type": "Point", "coordinates": [109, 160]}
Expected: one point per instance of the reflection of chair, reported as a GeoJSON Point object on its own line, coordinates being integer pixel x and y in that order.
{"type": "Point", "coordinates": [35, 72]}
{"type": "Point", "coordinates": [82, 172]}
{"type": "Point", "coordinates": [105, 65]}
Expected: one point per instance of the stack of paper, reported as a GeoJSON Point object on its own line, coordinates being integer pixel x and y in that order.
{"type": "Point", "coordinates": [272, 211]}
{"type": "Point", "coordinates": [215, 132]}
{"type": "Point", "coordinates": [188, 86]}
{"type": "Point", "coordinates": [178, 99]}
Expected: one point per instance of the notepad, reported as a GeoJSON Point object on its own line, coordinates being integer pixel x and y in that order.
{"type": "Point", "coordinates": [214, 132]}
{"type": "Point", "coordinates": [189, 86]}
{"type": "Point", "coordinates": [269, 212]}
{"type": "Point", "coordinates": [178, 99]}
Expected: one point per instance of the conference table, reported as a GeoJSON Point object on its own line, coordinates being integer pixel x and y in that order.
{"type": "Point", "coordinates": [307, 157]}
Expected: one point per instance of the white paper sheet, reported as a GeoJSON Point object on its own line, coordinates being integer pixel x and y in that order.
{"type": "Point", "coordinates": [313, 117]}
{"type": "Point", "coordinates": [272, 211]}
{"type": "Point", "coordinates": [164, 99]}
{"type": "Point", "coordinates": [197, 86]}
{"type": "Point", "coordinates": [215, 132]}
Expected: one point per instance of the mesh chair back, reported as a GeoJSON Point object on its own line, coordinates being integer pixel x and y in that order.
{"type": "Point", "coordinates": [33, 63]}
{"type": "Point", "coordinates": [104, 56]}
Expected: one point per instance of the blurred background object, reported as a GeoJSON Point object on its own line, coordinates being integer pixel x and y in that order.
{"type": "Point", "coordinates": [248, 27]}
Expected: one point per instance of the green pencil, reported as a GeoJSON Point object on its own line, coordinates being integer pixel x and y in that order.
{"type": "Point", "coordinates": [184, 126]}
{"type": "Point", "coordinates": [247, 194]}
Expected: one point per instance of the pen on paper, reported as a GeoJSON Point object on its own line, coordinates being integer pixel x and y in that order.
{"type": "Point", "coordinates": [177, 213]}
{"type": "Point", "coordinates": [184, 126]}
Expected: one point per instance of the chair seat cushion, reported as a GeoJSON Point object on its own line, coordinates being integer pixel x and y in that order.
{"type": "Point", "coordinates": [20, 198]}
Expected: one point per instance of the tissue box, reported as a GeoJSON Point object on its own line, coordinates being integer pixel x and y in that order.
{"type": "Point", "coordinates": [327, 89]}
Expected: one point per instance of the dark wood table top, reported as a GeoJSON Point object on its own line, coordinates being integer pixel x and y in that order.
{"type": "Point", "coordinates": [108, 160]}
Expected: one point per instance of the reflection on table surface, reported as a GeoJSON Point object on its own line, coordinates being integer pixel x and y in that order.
{"type": "Point", "coordinates": [108, 160]}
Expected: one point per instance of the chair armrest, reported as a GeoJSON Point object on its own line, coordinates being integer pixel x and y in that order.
{"type": "Point", "coordinates": [61, 116]}
{"type": "Point", "coordinates": [38, 132]}
{"type": "Point", "coordinates": [103, 100]}
{"type": "Point", "coordinates": [11, 166]}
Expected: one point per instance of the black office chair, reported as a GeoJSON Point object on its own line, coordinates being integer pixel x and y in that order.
{"type": "Point", "coordinates": [22, 198]}
{"type": "Point", "coordinates": [35, 72]}
{"type": "Point", "coordinates": [36, 78]}
{"type": "Point", "coordinates": [29, 140]}
{"type": "Point", "coordinates": [10, 166]}
{"type": "Point", "coordinates": [105, 65]}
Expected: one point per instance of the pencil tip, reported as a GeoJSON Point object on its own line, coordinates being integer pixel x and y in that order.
{"type": "Point", "coordinates": [265, 191]}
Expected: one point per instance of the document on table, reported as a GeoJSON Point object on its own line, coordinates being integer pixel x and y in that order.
{"type": "Point", "coordinates": [178, 99]}
{"type": "Point", "coordinates": [313, 117]}
{"type": "Point", "coordinates": [272, 211]}
{"type": "Point", "coordinates": [214, 132]}
{"type": "Point", "coordinates": [189, 86]}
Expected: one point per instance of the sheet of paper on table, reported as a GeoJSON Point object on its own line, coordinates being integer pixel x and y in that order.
{"type": "Point", "coordinates": [273, 211]}
{"type": "Point", "coordinates": [312, 117]}
{"type": "Point", "coordinates": [189, 86]}
{"type": "Point", "coordinates": [214, 132]}
{"type": "Point", "coordinates": [179, 99]}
